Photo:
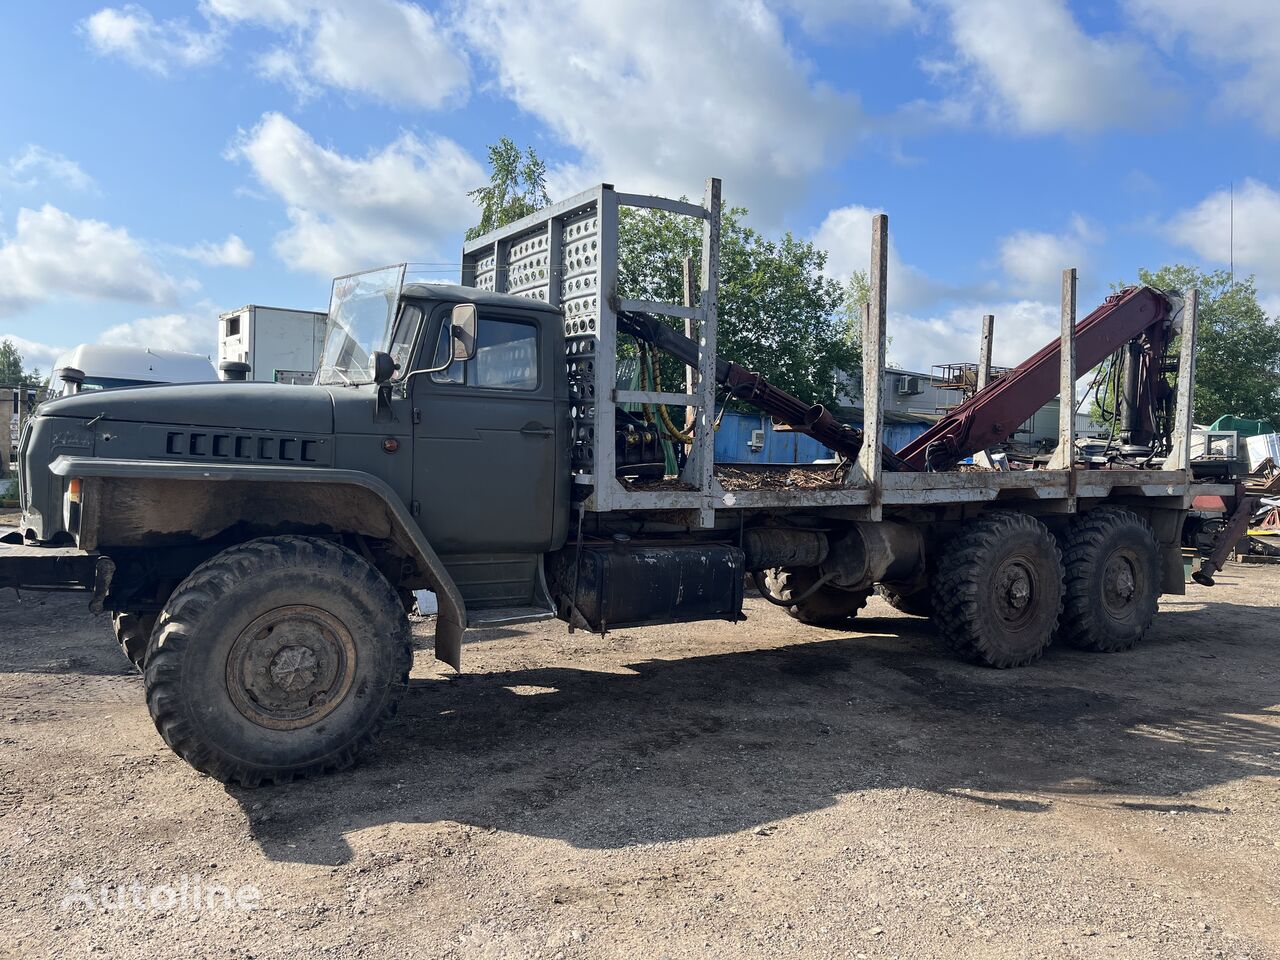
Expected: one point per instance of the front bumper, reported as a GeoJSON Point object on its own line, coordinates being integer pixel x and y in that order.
{"type": "Point", "coordinates": [26, 567]}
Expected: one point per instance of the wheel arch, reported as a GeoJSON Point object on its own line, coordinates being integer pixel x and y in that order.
{"type": "Point", "coordinates": [132, 504]}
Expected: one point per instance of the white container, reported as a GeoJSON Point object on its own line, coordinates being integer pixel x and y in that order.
{"type": "Point", "coordinates": [1261, 447]}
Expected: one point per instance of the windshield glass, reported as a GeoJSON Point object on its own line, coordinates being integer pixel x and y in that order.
{"type": "Point", "coordinates": [361, 312]}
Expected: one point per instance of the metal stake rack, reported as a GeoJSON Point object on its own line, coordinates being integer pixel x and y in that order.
{"type": "Point", "coordinates": [567, 255]}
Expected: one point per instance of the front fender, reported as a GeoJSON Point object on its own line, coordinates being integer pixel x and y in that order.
{"type": "Point", "coordinates": [138, 503]}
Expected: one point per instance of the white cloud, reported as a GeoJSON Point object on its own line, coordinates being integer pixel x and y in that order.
{"type": "Point", "coordinates": [232, 252]}
{"type": "Point", "coordinates": [135, 36]}
{"type": "Point", "coordinates": [285, 67]}
{"type": "Point", "coordinates": [35, 355]}
{"type": "Point", "coordinates": [35, 166]}
{"type": "Point", "coordinates": [406, 201]}
{"type": "Point", "coordinates": [1032, 66]}
{"type": "Point", "coordinates": [389, 50]}
{"type": "Point", "coordinates": [191, 332]}
{"type": "Point", "coordinates": [1022, 327]}
{"type": "Point", "coordinates": [655, 95]}
{"type": "Point", "coordinates": [1206, 229]}
{"type": "Point", "coordinates": [818, 15]}
{"type": "Point", "coordinates": [845, 234]}
{"type": "Point", "coordinates": [272, 13]}
{"type": "Point", "coordinates": [1033, 261]}
{"type": "Point", "coordinates": [1242, 36]}
{"type": "Point", "coordinates": [51, 253]}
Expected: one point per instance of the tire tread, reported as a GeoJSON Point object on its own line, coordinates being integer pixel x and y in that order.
{"type": "Point", "coordinates": [177, 627]}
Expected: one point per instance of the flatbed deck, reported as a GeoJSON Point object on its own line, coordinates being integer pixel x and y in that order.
{"type": "Point", "coordinates": [772, 489]}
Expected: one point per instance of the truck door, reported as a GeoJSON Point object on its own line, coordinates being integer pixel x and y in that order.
{"type": "Point", "coordinates": [485, 455]}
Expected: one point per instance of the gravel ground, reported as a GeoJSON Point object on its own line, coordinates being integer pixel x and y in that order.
{"type": "Point", "coordinates": [761, 789]}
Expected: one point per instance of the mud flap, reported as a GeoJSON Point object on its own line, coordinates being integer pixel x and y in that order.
{"type": "Point", "coordinates": [449, 641]}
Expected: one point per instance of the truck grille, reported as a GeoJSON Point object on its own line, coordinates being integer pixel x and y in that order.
{"type": "Point", "coordinates": [253, 447]}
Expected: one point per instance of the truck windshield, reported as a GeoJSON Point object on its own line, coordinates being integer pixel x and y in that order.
{"type": "Point", "coordinates": [361, 313]}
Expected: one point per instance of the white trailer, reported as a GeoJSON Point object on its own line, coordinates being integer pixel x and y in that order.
{"type": "Point", "coordinates": [102, 366]}
{"type": "Point", "coordinates": [278, 344]}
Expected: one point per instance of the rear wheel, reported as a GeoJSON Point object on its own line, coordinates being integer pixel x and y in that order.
{"type": "Point", "coordinates": [277, 658]}
{"type": "Point", "coordinates": [1113, 564]}
{"type": "Point", "coordinates": [997, 591]}
{"type": "Point", "coordinates": [916, 603]}
{"type": "Point", "coordinates": [827, 606]}
{"type": "Point", "coordinates": [133, 630]}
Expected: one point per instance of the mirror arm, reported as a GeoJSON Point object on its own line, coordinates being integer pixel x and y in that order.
{"type": "Point", "coordinates": [404, 381]}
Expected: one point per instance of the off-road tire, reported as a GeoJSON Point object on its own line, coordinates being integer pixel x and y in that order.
{"type": "Point", "coordinates": [1112, 583]}
{"type": "Point", "coordinates": [235, 710]}
{"type": "Point", "coordinates": [828, 606]}
{"type": "Point", "coordinates": [997, 590]}
{"type": "Point", "coordinates": [918, 603]}
{"type": "Point", "coordinates": [133, 631]}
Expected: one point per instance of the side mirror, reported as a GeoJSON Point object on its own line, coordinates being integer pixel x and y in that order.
{"type": "Point", "coordinates": [463, 325]}
{"type": "Point", "coordinates": [384, 367]}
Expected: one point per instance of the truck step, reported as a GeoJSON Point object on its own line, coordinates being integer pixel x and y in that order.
{"type": "Point", "coordinates": [502, 616]}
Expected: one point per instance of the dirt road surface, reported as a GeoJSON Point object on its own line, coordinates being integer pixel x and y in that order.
{"type": "Point", "coordinates": [762, 789]}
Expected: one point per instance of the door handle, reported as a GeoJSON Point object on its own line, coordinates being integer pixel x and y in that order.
{"type": "Point", "coordinates": [536, 430]}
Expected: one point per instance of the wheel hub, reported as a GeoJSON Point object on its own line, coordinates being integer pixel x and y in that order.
{"type": "Point", "coordinates": [1120, 583]}
{"type": "Point", "coordinates": [291, 667]}
{"type": "Point", "coordinates": [294, 667]}
{"type": "Point", "coordinates": [1015, 592]}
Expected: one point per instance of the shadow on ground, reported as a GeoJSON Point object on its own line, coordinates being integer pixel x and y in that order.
{"type": "Point", "coordinates": [708, 745]}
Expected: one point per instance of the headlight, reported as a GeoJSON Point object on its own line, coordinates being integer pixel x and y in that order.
{"type": "Point", "coordinates": [71, 507]}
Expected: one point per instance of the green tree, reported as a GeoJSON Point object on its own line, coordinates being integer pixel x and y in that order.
{"type": "Point", "coordinates": [10, 364]}
{"type": "Point", "coordinates": [517, 187]}
{"type": "Point", "coordinates": [1237, 349]}
{"type": "Point", "coordinates": [778, 313]}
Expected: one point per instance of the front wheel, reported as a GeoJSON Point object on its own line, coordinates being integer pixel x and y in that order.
{"type": "Point", "coordinates": [277, 658]}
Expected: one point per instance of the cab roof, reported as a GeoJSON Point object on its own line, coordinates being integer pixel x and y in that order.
{"type": "Point", "coordinates": [453, 291]}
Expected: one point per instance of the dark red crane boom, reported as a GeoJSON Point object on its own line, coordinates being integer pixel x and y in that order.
{"type": "Point", "coordinates": [993, 414]}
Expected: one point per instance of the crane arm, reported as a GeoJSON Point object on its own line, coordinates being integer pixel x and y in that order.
{"type": "Point", "coordinates": [992, 415]}
{"type": "Point", "coordinates": [742, 384]}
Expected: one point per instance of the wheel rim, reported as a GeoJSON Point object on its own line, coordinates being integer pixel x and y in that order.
{"type": "Point", "coordinates": [1120, 583]}
{"type": "Point", "coordinates": [1015, 592]}
{"type": "Point", "coordinates": [291, 667]}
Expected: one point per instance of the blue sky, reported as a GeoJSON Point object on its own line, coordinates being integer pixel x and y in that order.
{"type": "Point", "coordinates": [162, 162]}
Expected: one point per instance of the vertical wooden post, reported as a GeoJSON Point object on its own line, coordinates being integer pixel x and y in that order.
{"type": "Point", "coordinates": [690, 299]}
{"type": "Point", "coordinates": [984, 350]}
{"type": "Point", "coordinates": [1064, 457]}
{"type": "Point", "coordinates": [870, 459]}
{"type": "Point", "coordinates": [1180, 455]}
